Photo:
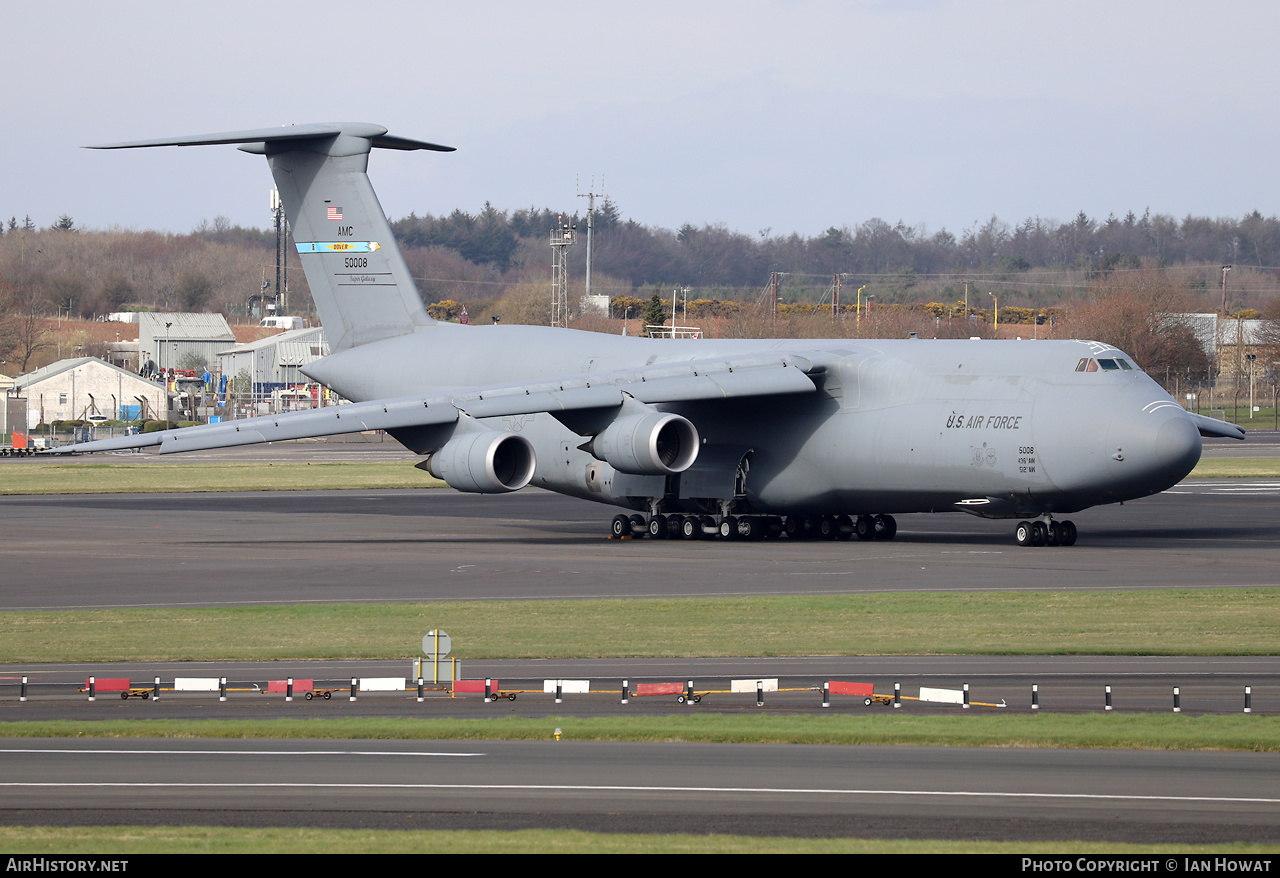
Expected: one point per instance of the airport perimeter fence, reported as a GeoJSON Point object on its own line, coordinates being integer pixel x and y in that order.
{"type": "Point", "coordinates": [730, 693]}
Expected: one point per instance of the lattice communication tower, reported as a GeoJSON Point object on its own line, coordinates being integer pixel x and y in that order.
{"type": "Point", "coordinates": [562, 238]}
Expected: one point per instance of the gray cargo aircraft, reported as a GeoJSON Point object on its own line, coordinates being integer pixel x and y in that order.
{"type": "Point", "coordinates": [697, 438]}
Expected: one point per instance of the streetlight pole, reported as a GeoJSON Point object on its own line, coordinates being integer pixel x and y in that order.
{"type": "Point", "coordinates": [1251, 358]}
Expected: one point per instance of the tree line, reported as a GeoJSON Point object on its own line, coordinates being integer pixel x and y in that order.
{"type": "Point", "coordinates": [497, 264]}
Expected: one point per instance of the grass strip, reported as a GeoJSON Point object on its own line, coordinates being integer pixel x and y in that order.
{"type": "Point", "coordinates": [1136, 731]}
{"type": "Point", "coordinates": [1156, 622]}
{"type": "Point", "coordinates": [154, 477]}
{"type": "Point", "coordinates": [113, 840]}
{"type": "Point", "coordinates": [1237, 468]}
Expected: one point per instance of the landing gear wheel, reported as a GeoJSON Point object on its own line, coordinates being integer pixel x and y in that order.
{"type": "Point", "coordinates": [728, 528]}
{"type": "Point", "coordinates": [793, 527]}
{"type": "Point", "coordinates": [1039, 533]}
{"type": "Point", "coordinates": [658, 527]}
{"type": "Point", "coordinates": [620, 526]}
{"type": "Point", "coordinates": [828, 529]}
{"type": "Point", "coordinates": [864, 528]}
{"type": "Point", "coordinates": [1068, 533]}
{"type": "Point", "coordinates": [844, 527]}
{"type": "Point", "coordinates": [638, 526]}
{"type": "Point", "coordinates": [886, 528]}
{"type": "Point", "coordinates": [674, 525]}
{"type": "Point", "coordinates": [1055, 534]}
{"type": "Point", "coordinates": [1022, 533]}
{"type": "Point", "coordinates": [690, 529]}
{"type": "Point", "coordinates": [748, 529]}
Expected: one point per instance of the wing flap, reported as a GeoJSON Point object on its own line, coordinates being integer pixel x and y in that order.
{"type": "Point", "coordinates": [543, 398]}
{"type": "Point", "coordinates": [779, 377]}
{"type": "Point", "coordinates": [354, 418]}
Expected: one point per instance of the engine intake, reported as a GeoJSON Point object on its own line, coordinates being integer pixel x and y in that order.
{"type": "Point", "coordinates": [484, 462]}
{"type": "Point", "coordinates": [653, 444]}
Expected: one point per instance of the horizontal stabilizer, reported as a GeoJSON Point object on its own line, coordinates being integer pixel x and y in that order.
{"type": "Point", "coordinates": [376, 134]}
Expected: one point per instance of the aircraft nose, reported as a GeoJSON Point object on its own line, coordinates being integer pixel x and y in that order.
{"type": "Point", "coordinates": [1178, 447]}
{"type": "Point", "coordinates": [1154, 449]}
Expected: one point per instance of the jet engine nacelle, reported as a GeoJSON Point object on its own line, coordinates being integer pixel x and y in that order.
{"type": "Point", "coordinates": [654, 444]}
{"type": "Point", "coordinates": [484, 462]}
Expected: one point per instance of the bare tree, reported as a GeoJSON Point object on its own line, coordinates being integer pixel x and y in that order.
{"type": "Point", "coordinates": [1136, 312]}
{"type": "Point", "coordinates": [23, 332]}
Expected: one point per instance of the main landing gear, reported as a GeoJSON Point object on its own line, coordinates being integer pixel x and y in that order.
{"type": "Point", "coordinates": [754, 527]}
{"type": "Point", "coordinates": [1045, 533]}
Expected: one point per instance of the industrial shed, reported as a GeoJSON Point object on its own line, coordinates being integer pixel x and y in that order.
{"type": "Point", "coordinates": [275, 362]}
{"type": "Point", "coordinates": [182, 341]}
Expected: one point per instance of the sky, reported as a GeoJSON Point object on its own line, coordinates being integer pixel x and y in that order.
{"type": "Point", "coordinates": [768, 116]}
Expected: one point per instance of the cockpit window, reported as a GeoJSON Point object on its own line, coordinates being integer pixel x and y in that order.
{"type": "Point", "coordinates": [1114, 364]}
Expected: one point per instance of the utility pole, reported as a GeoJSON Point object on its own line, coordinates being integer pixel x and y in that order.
{"type": "Point", "coordinates": [281, 228]}
{"type": "Point", "coordinates": [773, 296]}
{"type": "Point", "coordinates": [591, 223]}
{"type": "Point", "coordinates": [835, 294]}
{"type": "Point", "coordinates": [1225, 269]}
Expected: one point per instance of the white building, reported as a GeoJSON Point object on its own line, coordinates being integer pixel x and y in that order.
{"type": "Point", "coordinates": [85, 388]}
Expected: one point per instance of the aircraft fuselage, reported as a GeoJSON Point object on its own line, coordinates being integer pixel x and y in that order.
{"type": "Point", "coordinates": [1003, 429]}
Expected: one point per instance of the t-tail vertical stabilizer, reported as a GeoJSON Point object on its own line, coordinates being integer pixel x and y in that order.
{"type": "Point", "coordinates": [360, 283]}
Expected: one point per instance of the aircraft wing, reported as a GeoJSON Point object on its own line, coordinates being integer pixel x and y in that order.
{"type": "Point", "coordinates": [1213, 427]}
{"type": "Point", "coordinates": [719, 378]}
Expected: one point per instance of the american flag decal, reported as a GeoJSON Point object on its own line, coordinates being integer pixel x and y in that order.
{"type": "Point", "coordinates": [333, 213]}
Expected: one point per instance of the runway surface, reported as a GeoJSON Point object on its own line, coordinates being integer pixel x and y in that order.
{"type": "Point", "coordinates": [898, 792]}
